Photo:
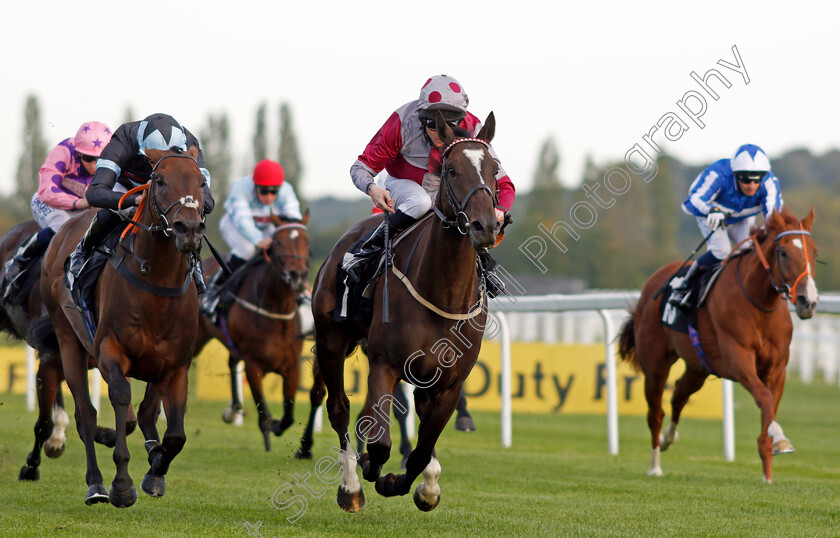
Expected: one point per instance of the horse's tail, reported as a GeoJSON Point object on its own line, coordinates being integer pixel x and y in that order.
{"type": "Point", "coordinates": [627, 342]}
{"type": "Point", "coordinates": [41, 335]}
{"type": "Point", "coordinates": [6, 324]}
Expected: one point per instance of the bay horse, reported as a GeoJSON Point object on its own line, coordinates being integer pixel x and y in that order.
{"type": "Point", "coordinates": [436, 299]}
{"type": "Point", "coordinates": [744, 331]}
{"type": "Point", "coordinates": [147, 315]}
{"type": "Point", "coordinates": [262, 326]}
{"type": "Point", "coordinates": [52, 417]}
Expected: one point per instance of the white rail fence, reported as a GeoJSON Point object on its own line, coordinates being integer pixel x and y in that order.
{"type": "Point", "coordinates": [813, 345]}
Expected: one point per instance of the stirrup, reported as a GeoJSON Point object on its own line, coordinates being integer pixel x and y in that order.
{"type": "Point", "coordinates": [494, 285]}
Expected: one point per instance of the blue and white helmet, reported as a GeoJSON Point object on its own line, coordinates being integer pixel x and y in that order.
{"type": "Point", "coordinates": [750, 158]}
{"type": "Point", "coordinates": [161, 131]}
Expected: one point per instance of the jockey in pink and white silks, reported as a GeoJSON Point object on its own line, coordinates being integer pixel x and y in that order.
{"type": "Point", "coordinates": [408, 148]}
{"type": "Point", "coordinates": [62, 182]}
{"type": "Point", "coordinates": [731, 192]}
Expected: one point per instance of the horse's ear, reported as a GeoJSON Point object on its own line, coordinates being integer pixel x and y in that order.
{"type": "Point", "coordinates": [154, 155]}
{"type": "Point", "coordinates": [445, 132]}
{"type": "Point", "coordinates": [776, 221]}
{"type": "Point", "coordinates": [808, 221]}
{"type": "Point", "coordinates": [193, 152]}
{"type": "Point", "coordinates": [488, 130]}
{"type": "Point", "coordinates": [305, 219]}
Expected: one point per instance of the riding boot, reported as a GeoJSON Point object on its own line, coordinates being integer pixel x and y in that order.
{"type": "Point", "coordinates": [15, 267]}
{"type": "Point", "coordinates": [494, 284]}
{"type": "Point", "coordinates": [100, 226]}
{"type": "Point", "coordinates": [210, 299]}
{"type": "Point", "coordinates": [357, 260]}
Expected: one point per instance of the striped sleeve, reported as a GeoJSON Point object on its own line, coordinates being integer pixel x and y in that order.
{"type": "Point", "coordinates": [772, 200]}
{"type": "Point", "coordinates": [702, 191]}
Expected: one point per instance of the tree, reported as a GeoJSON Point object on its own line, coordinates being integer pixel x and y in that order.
{"type": "Point", "coordinates": [215, 144]}
{"type": "Point", "coordinates": [32, 158]}
{"type": "Point", "coordinates": [260, 142]}
{"type": "Point", "coordinates": [288, 153]}
{"type": "Point", "coordinates": [128, 117]}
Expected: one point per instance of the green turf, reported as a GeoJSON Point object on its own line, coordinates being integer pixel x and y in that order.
{"type": "Point", "coordinates": [557, 479]}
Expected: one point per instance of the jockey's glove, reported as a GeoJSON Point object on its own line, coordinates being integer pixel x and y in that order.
{"type": "Point", "coordinates": [714, 219]}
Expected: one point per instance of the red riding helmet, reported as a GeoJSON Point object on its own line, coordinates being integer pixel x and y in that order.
{"type": "Point", "coordinates": [269, 173]}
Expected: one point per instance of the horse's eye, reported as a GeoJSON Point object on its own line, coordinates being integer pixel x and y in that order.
{"type": "Point", "coordinates": [158, 180]}
{"type": "Point", "coordinates": [783, 253]}
{"type": "Point", "coordinates": [451, 171]}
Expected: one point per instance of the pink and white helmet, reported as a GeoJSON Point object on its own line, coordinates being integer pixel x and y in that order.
{"type": "Point", "coordinates": [446, 94]}
{"type": "Point", "coordinates": [92, 138]}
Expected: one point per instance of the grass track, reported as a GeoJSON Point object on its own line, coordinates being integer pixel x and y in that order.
{"type": "Point", "coordinates": [556, 480]}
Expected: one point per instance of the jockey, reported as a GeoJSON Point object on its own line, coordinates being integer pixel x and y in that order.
{"type": "Point", "coordinates": [124, 165]}
{"type": "Point", "coordinates": [729, 192]}
{"type": "Point", "coordinates": [62, 182]}
{"type": "Point", "coordinates": [246, 226]}
{"type": "Point", "coordinates": [408, 148]}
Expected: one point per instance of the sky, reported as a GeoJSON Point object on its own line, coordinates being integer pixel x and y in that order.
{"type": "Point", "coordinates": [594, 76]}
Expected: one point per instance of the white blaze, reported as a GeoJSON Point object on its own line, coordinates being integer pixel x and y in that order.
{"type": "Point", "coordinates": [475, 156]}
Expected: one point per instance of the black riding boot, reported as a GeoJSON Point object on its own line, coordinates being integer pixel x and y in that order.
{"type": "Point", "coordinates": [31, 249]}
{"type": "Point", "coordinates": [210, 300]}
{"type": "Point", "coordinates": [494, 284]}
{"type": "Point", "coordinates": [356, 261]}
{"type": "Point", "coordinates": [681, 296]}
{"type": "Point", "coordinates": [101, 224]}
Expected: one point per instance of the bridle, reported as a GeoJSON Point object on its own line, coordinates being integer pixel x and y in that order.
{"type": "Point", "coordinates": [282, 255]}
{"type": "Point", "coordinates": [789, 292]}
{"type": "Point", "coordinates": [461, 221]}
{"type": "Point", "coordinates": [159, 212]}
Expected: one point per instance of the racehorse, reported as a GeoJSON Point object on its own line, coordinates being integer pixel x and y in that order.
{"type": "Point", "coordinates": [744, 331]}
{"type": "Point", "coordinates": [52, 417]}
{"type": "Point", "coordinates": [147, 316]}
{"type": "Point", "coordinates": [262, 326]}
{"type": "Point", "coordinates": [435, 295]}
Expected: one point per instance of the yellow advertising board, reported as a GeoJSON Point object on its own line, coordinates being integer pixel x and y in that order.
{"type": "Point", "coordinates": [13, 371]}
{"type": "Point", "coordinates": [546, 378]}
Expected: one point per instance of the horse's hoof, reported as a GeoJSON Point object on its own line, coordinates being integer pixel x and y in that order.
{"type": "Point", "coordinates": [29, 473]}
{"type": "Point", "coordinates": [267, 440]}
{"type": "Point", "coordinates": [783, 447]}
{"type": "Point", "coordinates": [303, 454]}
{"type": "Point", "coordinates": [106, 437]}
{"type": "Point", "coordinates": [655, 472]}
{"type": "Point", "coordinates": [350, 502]}
{"type": "Point", "coordinates": [153, 485]}
{"type": "Point", "coordinates": [421, 503]}
{"type": "Point", "coordinates": [228, 415]}
{"type": "Point", "coordinates": [464, 424]}
{"type": "Point", "coordinates": [278, 427]}
{"type": "Point", "coordinates": [96, 494]}
{"type": "Point", "coordinates": [124, 498]}
{"type": "Point", "coordinates": [53, 452]}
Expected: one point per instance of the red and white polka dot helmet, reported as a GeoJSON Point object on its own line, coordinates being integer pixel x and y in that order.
{"type": "Point", "coordinates": [446, 94]}
{"type": "Point", "coordinates": [92, 138]}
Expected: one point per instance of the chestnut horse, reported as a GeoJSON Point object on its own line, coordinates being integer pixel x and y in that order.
{"type": "Point", "coordinates": [262, 327]}
{"type": "Point", "coordinates": [147, 312]}
{"type": "Point", "coordinates": [52, 417]}
{"type": "Point", "coordinates": [437, 309]}
{"type": "Point", "coordinates": [743, 326]}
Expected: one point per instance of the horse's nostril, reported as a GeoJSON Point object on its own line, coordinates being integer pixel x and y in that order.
{"type": "Point", "coordinates": [179, 228]}
{"type": "Point", "coordinates": [476, 226]}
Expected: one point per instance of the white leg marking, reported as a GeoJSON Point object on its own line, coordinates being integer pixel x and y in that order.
{"type": "Point", "coordinates": [347, 462]}
{"type": "Point", "coordinates": [668, 437]}
{"type": "Point", "coordinates": [429, 489]}
{"type": "Point", "coordinates": [61, 420]}
{"type": "Point", "coordinates": [775, 431]}
{"type": "Point", "coordinates": [655, 469]}
{"type": "Point", "coordinates": [475, 156]}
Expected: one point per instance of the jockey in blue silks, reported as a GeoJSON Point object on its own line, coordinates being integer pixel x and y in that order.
{"type": "Point", "coordinates": [732, 192]}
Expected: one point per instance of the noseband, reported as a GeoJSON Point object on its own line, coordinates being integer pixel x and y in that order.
{"type": "Point", "coordinates": [291, 226]}
{"type": "Point", "coordinates": [461, 221]}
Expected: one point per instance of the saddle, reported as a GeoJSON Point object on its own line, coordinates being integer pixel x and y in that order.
{"type": "Point", "coordinates": [228, 290]}
{"type": "Point", "coordinates": [677, 319]}
{"type": "Point", "coordinates": [354, 300]}
{"type": "Point", "coordinates": [30, 275]}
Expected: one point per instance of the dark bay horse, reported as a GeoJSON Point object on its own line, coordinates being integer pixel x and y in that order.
{"type": "Point", "coordinates": [263, 325]}
{"type": "Point", "coordinates": [437, 315]}
{"type": "Point", "coordinates": [52, 417]}
{"type": "Point", "coordinates": [744, 329]}
{"type": "Point", "coordinates": [146, 332]}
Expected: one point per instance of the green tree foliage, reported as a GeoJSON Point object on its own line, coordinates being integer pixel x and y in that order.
{"type": "Point", "coordinates": [288, 151]}
{"type": "Point", "coordinates": [215, 144]}
{"type": "Point", "coordinates": [260, 141]}
{"type": "Point", "coordinates": [129, 116]}
{"type": "Point", "coordinates": [31, 159]}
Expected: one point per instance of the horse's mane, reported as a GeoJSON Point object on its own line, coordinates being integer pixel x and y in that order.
{"type": "Point", "coordinates": [763, 230]}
